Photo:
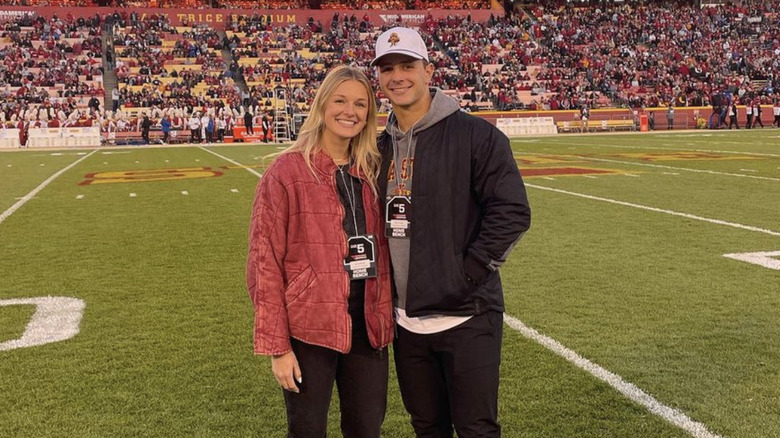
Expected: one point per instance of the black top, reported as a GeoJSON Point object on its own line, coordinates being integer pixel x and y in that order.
{"type": "Point", "coordinates": [350, 187]}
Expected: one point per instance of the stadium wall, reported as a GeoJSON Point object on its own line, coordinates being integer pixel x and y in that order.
{"type": "Point", "coordinates": [684, 117]}
{"type": "Point", "coordinates": [218, 17]}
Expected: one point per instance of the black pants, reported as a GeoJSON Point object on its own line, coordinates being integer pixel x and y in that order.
{"type": "Point", "coordinates": [361, 379]}
{"type": "Point", "coordinates": [451, 378]}
{"type": "Point", "coordinates": [733, 122]}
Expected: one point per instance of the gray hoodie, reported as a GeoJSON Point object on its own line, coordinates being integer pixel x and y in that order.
{"type": "Point", "coordinates": [404, 145]}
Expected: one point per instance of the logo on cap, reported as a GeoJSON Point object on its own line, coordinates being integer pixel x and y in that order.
{"type": "Point", "coordinates": [393, 40]}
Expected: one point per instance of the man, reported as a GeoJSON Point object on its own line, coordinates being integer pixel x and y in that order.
{"type": "Point", "coordinates": [146, 125]}
{"type": "Point", "coordinates": [455, 205]}
{"type": "Point", "coordinates": [584, 117]}
{"type": "Point", "coordinates": [266, 128]}
{"type": "Point", "coordinates": [670, 117]}
{"type": "Point", "coordinates": [733, 113]}
{"type": "Point", "coordinates": [249, 128]}
{"type": "Point", "coordinates": [194, 125]}
{"type": "Point", "coordinates": [115, 99]}
{"type": "Point", "coordinates": [757, 110]}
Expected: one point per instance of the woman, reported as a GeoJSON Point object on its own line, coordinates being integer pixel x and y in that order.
{"type": "Point", "coordinates": [318, 265]}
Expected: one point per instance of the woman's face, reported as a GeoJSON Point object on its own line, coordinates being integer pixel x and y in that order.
{"type": "Point", "coordinates": [345, 112]}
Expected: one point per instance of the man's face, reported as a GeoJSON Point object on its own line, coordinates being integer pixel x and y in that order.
{"type": "Point", "coordinates": [404, 80]}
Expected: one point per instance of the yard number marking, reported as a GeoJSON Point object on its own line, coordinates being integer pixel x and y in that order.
{"type": "Point", "coordinates": [766, 259]}
{"type": "Point", "coordinates": [55, 319]}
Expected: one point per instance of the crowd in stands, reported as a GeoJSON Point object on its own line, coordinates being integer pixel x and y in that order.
{"type": "Point", "coordinates": [656, 53]}
{"type": "Point", "coordinates": [549, 56]}
{"type": "Point", "coordinates": [51, 71]}
{"type": "Point", "coordinates": [162, 68]}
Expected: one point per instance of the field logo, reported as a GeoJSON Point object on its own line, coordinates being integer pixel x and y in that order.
{"type": "Point", "coordinates": [546, 159]}
{"type": "Point", "coordinates": [159, 174]}
{"type": "Point", "coordinates": [55, 319]}
{"type": "Point", "coordinates": [531, 172]}
{"type": "Point", "coordinates": [682, 156]}
{"type": "Point", "coordinates": [149, 175]}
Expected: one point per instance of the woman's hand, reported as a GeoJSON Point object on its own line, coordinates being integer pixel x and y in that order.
{"type": "Point", "coordinates": [286, 371]}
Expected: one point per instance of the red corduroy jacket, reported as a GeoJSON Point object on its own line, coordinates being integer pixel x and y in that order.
{"type": "Point", "coordinates": [295, 273]}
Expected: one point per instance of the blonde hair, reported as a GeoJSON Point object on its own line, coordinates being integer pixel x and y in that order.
{"type": "Point", "coordinates": [363, 151]}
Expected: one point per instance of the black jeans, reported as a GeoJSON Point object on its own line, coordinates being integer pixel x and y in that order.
{"type": "Point", "coordinates": [361, 379]}
{"type": "Point", "coordinates": [451, 378]}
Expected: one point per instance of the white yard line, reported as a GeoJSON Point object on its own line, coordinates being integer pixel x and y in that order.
{"type": "Point", "coordinates": [663, 166]}
{"type": "Point", "coordinates": [659, 210]}
{"type": "Point", "coordinates": [682, 148]}
{"type": "Point", "coordinates": [42, 186]}
{"type": "Point", "coordinates": [628, 389]}
{"type": "Point", "coordinates": [248, 169]}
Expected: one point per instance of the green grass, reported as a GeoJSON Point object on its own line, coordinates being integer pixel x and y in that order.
{"type": "Point", "coordinates": [165, 342]}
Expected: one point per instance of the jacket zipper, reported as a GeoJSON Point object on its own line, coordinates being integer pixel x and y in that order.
{"type": "Point", "coordinates": [375, 210]}
{"type": "Point", "coordinates": [344, 244]}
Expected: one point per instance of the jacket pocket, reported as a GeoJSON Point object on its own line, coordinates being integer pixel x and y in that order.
{"type": "Point", "coordinates": [463, 279]}
{"type": "Point", "coordinates": [299, 284]}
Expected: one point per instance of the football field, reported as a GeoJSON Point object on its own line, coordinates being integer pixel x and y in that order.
{"type": "Point", "coordinates": [643, 302]}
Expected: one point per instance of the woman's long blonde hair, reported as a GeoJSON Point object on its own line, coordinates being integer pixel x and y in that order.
{"type": "Point", "coordinates": [363, 151]}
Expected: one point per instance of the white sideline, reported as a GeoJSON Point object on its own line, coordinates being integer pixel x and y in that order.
{"type": "Point", "coordinates": [659, 210]}
{"type": "Point", "coordinates": [630, 390]}
{"type": "Point", "coordinates": [43, 185]}
{"type": "Point", "coordinates": [248, 169]}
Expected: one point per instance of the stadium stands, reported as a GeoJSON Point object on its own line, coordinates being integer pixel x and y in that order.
{"type": "Point", "coordinates": [547, 56]}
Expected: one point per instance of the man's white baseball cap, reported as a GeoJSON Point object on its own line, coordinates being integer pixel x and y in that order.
{"type": "Point", "coordinates": [400, 40]}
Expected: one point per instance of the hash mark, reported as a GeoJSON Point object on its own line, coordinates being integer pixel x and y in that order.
{"type": "Point", "coordinates": [132, 195]}
{"type": "Point", "coordinates": [80, 197]}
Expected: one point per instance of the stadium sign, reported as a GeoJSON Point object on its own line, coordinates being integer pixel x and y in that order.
{"type": "Point", "coordinates": [13, 15]}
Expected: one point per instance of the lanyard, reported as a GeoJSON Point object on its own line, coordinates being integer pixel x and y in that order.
{"type": "Point", "coordinates": [351, 198]}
